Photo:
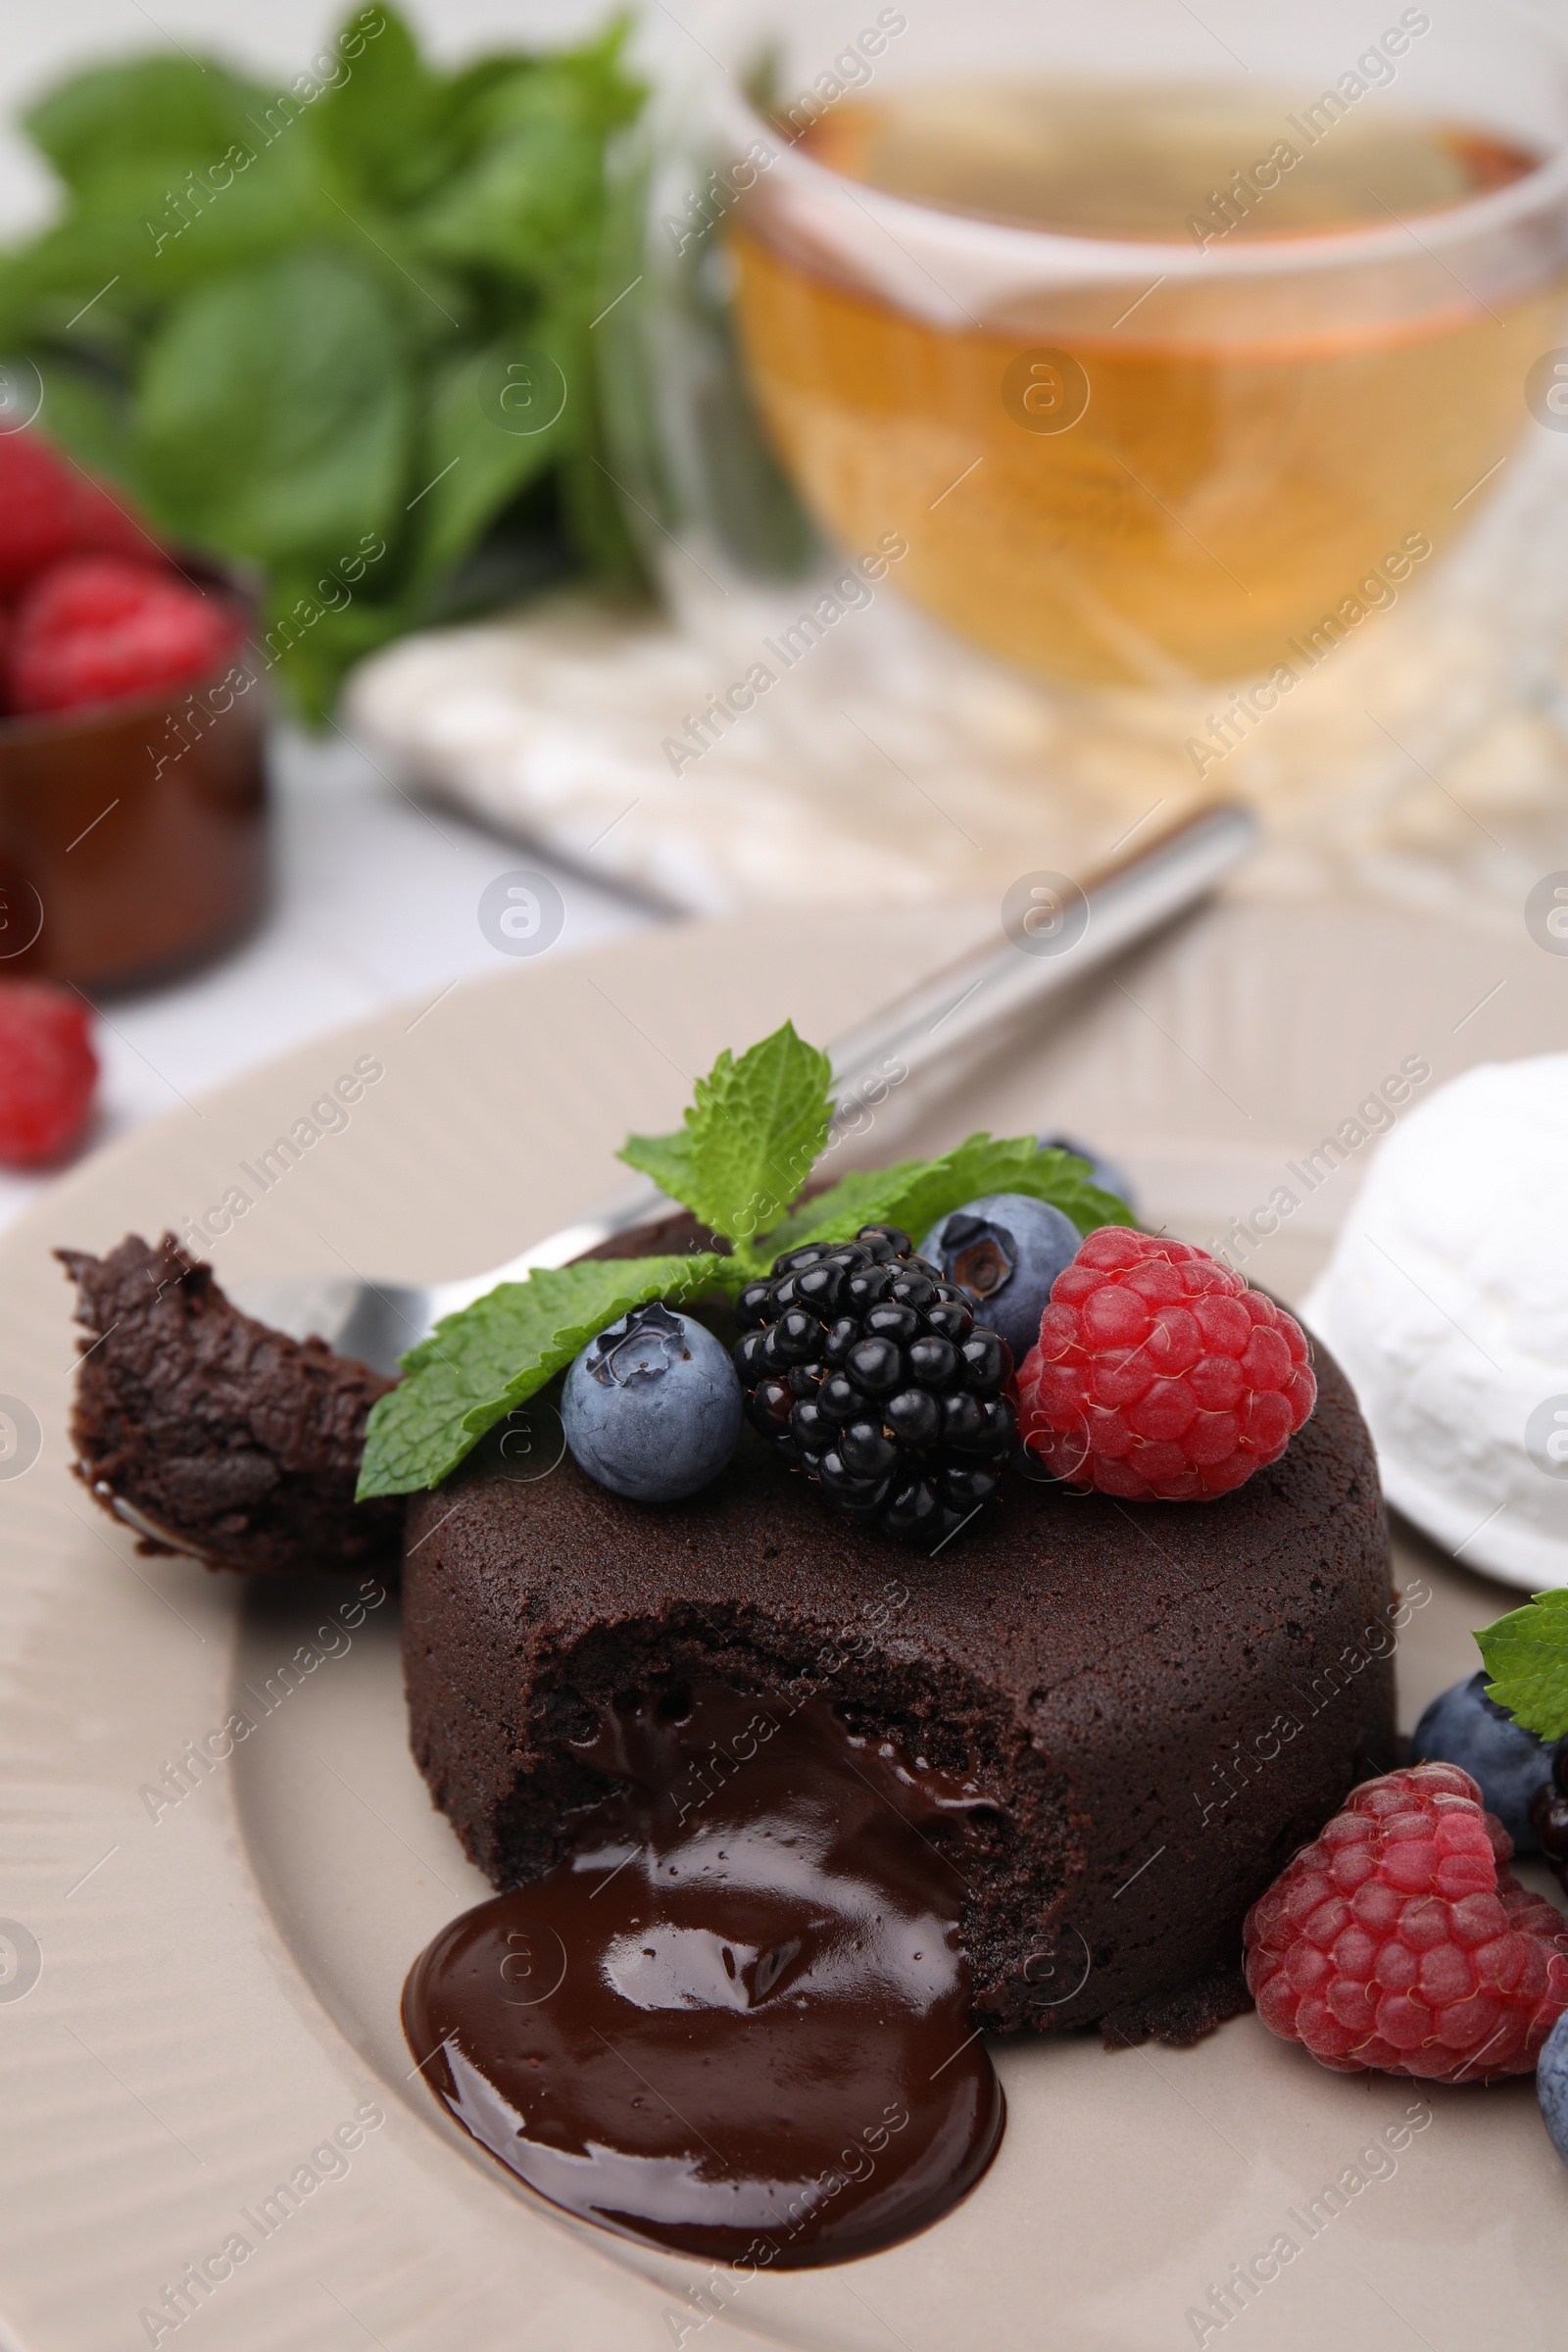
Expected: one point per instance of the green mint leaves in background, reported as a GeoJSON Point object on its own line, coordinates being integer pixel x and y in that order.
{"type": "Point", "coordinates": [283, 322]}
{"type": "Point", "coordinates": [1526, 1658]}
{"type": "Point", "coordinates": [746, 1150]}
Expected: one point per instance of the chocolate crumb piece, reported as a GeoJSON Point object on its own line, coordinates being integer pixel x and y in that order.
{"type": "Point", "coordinates": [215, 1435]}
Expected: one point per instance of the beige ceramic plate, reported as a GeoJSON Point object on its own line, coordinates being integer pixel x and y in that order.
{"type": "Point", "coordinates": [199, 1966]}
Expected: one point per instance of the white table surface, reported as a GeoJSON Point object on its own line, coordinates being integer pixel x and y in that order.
{"type": "Point", "coordinates": [376, 897]}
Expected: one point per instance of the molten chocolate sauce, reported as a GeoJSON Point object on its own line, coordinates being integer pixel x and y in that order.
{"type": "Point", "coordinates": [736, 2021]}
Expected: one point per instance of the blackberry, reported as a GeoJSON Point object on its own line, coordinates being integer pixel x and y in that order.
{"type": "Point", "coordinates": [867, 1372]}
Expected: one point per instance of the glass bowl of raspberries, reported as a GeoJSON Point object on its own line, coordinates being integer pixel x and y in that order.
{"type": "Point", "coordinates": [133, 737]}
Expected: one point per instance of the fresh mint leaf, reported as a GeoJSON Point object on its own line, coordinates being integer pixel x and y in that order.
{"type": "Point", "coordinates": [163, 110]}
{"type": "Point", "coordinates": [479, 1364]}
{"type": "Point", "coordinates": [1526, 1655]}
{"type": "Point", "coordinates": [915, 1193]}
{"type": "Point", "coordinates": [666, 1158]}
{"type": "Point", "coordinates": [179, 175]}
{"type": "Point", "coordinates": [861, 1198]}
{"type": "Point", "coordinates": [524, 202]}
{"type": "Point", "coordinates": [750, 1139]}
{"type": "Point", "coordinates": [433, 216]}
{"type": "Point", "coordinates": [386, 133]}
{"type": "Point", "coordinates": [756, 1129]}
{"type": "Point", "coordinates": [520, 205]}
{"type": "Point", "coordinates": [475, 468]}
{"type": "Point", "coordinates": [274, 413]}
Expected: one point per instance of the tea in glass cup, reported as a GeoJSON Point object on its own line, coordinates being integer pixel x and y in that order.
{"type": "Point", "coordinates": [1173, 349]}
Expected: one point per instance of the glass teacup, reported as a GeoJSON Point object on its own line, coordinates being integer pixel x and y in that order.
{"type": "Point", "coordinates": [1189, 432]}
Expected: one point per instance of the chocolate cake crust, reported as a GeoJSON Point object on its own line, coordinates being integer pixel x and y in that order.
{"type": "Point", "coordinates": [221, 1437]}
{"type": "Point", "coordinates": [1162, 1699]}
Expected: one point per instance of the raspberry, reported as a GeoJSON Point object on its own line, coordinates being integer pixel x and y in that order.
{"type": "Point", "coordinates": [1399, 1940]}
{"type": "Point", "coordinates": [48, 1071]}
{"type": "Point", "coordinates": [97, 628]}
{"type": "Point", "coordinates": [50, 510]}
{"type": "Point", "coordinates": [35, 508]}
{"type": "Point", "coordinates": [1157, 1372]}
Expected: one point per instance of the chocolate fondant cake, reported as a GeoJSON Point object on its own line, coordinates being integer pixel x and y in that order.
{"type": "Point", "coordinates": [807, 1715]}
{"type": "Point", "coordinates": [1157, 1702]}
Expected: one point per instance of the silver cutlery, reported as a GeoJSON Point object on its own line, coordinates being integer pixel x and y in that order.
{"type": "Point", "coordinates": [1052, 941]}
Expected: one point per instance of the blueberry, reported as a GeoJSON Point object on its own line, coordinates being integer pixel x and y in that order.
{"type": "Point", "coordinates": [1106, 1174]}
{"type": "Point", "coordinates": [1552, 2086]}
{"type": "Point", "coordinates": [1005, 1251]}
{"type": "Point", "coordinates": [1464, 1726]}
{"type": "Point", "coordinates": [653, 1405]}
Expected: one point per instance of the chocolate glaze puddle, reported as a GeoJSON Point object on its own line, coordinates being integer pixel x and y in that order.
{"type": "Point", "coordinates": [737, 2022]}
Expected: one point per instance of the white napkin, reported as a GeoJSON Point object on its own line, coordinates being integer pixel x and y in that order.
{"type": "Point", "coordinates": [891, 763]}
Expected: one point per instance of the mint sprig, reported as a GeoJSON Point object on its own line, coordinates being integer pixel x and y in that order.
{"type": "Point", "coordinates": [915, 1193]}
{"type": "Point", "coordinates": [1526, 1656]}
{"type": "Point", "coordinates": [743, 1154]}
{"type": "Point", "coordinates": [749, 1143]}
{"type": "Point", "coordinates": [480, 1363]}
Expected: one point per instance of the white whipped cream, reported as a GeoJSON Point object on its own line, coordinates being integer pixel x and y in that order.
{"type": "Point", "coordinates": [1446, 1302]}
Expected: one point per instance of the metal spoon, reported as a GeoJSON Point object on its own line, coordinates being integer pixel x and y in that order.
{"type": "Point", "coordinates": [1053, 942]}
